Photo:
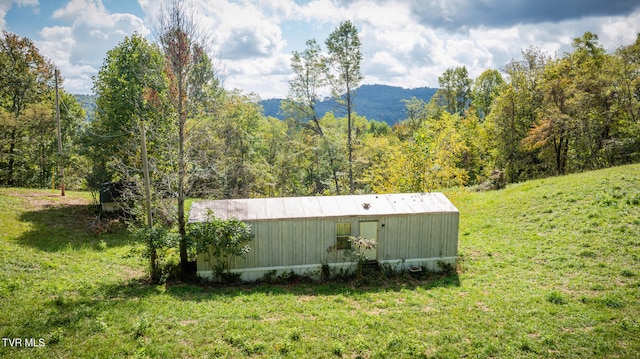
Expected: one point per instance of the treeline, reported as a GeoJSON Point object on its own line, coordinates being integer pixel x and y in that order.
{"type": "Point", "coordinates": [28, 142]}
{"type": "Point", "coordinates": [538, 116]}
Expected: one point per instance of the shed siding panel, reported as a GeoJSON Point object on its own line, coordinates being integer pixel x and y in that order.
{"type": "Point", "coordinates": [415, 242]}
{"type": "Point", "coordinates": [419, 239]}
{"type": "Point", "coordinates": [433, 232]}
{"type": "Point", "coordinates": [289, 242]}
{"type": "Point", "coordinates": [427, 239]}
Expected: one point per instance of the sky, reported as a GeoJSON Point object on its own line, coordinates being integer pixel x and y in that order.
{"type": "Point", "coordinates": [407, 43]}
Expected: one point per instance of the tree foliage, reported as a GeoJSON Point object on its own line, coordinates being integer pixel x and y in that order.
{"type": "Point", "coordinates": [28, 145]}
{"type": "Point", "coordinates": [310, 76]}
{"type": "Point", "coordinates": [485, 90]}
{"type": "Point", "coordinates": [536, 116]}
{"type": "Point", "coordinates": [25, 81]}
{"type": "Point", "coordinates": [131, 89]}
{"type": "Point", "coordinates": [221, 240]}
{"type": "Point", "coordinates": [455, 90]}
{"type": "Point", "coordinates": [344, 59]}
{"type": "Point", "coordinates": [191, 77]}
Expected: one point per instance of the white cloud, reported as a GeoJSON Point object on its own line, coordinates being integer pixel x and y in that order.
{"type": "Point", "coordinates": [401, 49]}
{"type": "Point", "coordinates": [404, 43]}
{"type": "Point", "coordinates": [5, 6]}
{"type": "Point", "coordinates": [620, 31]}
{"type": "Point", "coordinates": [320, 11]}
{"type": "Point", "coordinates": [267, 77]}
{"type": "Point", "coordinates": [80, 48]}
{"type": "Point", "coordinates": [247, 39]}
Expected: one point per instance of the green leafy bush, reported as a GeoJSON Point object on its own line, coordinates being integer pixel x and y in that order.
{"type": "Point", "coordinates": [160, 244]}
{"type": "Point", "coordinates": [221, 240]}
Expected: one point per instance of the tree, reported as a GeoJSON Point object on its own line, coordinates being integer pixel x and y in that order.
{"type": "Point", "coordinates": [513, 113]}
{"type": "Point", "coordinates": [130, 87]}
{"type": "Point", "coordinates": [455, 89]}
{"type": "Point", "coordinates": [344, 58]}
{"type": "Point", "coordinates": [225, 153]}
{"type": "Point", "coordinates": [189, 71]}
{"type": "Point", "coordinates": [378, 154]}
{"type": "Point", "coordinates": [575, 119]}
{"type": "Point", "coordinates": [417, 113]}
{"type": "Point", "coordinates": [433, 158]}
{"type": "Point", "coordinates": [132, 90]}
{"type": "Point", "coordinates": [25, 79]}
{"type": "Point", "coordinates": [627, 76]}
{"type": "Point", "coordinates": [485, 89]}
{"type": "Point", "coordinates": [40, 154]}
{"type": "Point", "coordinates": [624, 145]}
{"type": "Point", "coordinates": [310, 76]}
{"type": "Point", "coordinates": [591, 101]}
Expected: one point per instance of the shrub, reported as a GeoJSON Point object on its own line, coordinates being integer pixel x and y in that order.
{"type": "Point", "coordinates": [496, 181]}
{"type": "Point", "coordinates": [325, 272]}
{"type": "Point", "coordinates": [158, 242]}
{"type": "Point", "coordinates": [221, 240]}
{"type": "Point", "coordinates": [358, 246]}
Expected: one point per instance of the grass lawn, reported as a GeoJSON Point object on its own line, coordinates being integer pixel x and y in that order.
{"type": "Point", "coordinates": [548, 268]}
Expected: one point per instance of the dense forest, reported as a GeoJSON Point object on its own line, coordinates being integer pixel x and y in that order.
{"type": "Point", "coordinates": [535, 116]}
{"type": "Point", "coordinates": [164, 123]}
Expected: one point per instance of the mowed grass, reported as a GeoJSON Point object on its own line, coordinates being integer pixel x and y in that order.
{"type": "Point", "coordinates": [548, 268]}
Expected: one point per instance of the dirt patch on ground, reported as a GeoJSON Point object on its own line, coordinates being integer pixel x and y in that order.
{"type": "Point", "coordinates": [129, 274]}
{"type": "Point", "coordinates": [306, 298]}
{"type": "Point", "coordinates": [74, 209]}
{"type": "Point", "coordinates": [39, 199]}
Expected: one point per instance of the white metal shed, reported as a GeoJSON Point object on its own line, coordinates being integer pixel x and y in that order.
{"type": "Point", "coordinates": [299, 234]}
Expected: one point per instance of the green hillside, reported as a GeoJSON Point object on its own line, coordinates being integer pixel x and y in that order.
{"type": "Point", "coordinates": [548, 269]}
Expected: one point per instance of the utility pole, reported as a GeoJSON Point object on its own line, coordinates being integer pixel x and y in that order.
{"type": "Point", "coordinates": [60, 157]}
{"type": "Point", "coordinates": [147, 191]}
{"type": "Point", "coordinates": [145, 172]}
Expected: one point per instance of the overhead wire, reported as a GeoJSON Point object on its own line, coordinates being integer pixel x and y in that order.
{"type": "Point", "coordinates": [91, 132]}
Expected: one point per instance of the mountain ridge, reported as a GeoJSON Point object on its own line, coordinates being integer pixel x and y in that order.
{"type": "Point", "coordinates": [375, 102]}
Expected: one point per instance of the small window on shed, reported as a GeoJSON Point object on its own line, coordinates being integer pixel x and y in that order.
{"type": "Point", "coordinates": [343, 232]}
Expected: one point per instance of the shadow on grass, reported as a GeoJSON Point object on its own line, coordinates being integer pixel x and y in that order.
{"type": "Point", "coordinates": [64, 227]}
{"type": "Point", "coordinates": [296, 287]}
{"type": "Point", "coordinates": [62, 316]}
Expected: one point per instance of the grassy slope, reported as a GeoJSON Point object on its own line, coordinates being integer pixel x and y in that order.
{"type": "Point", "coordinates": [549, 268]}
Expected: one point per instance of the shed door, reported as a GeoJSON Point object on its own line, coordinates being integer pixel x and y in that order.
{"type": "Point", "coordinates": [369, 229]}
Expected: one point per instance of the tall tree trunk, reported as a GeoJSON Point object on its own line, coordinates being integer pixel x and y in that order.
{"type": "Point", "coordinates": [153, 261]}
{"type": "Point", "coordinates": [334, 172]}
{"type": "Point", "coordinates": [184, 260]}
{"type": "Point", "coordinates": [349, 140]}
{"type": "Point", "coordinates": [59, 133]}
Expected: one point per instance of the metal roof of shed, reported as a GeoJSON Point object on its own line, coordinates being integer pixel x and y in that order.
{"type": "Point", "coordinates": [255, 209]}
